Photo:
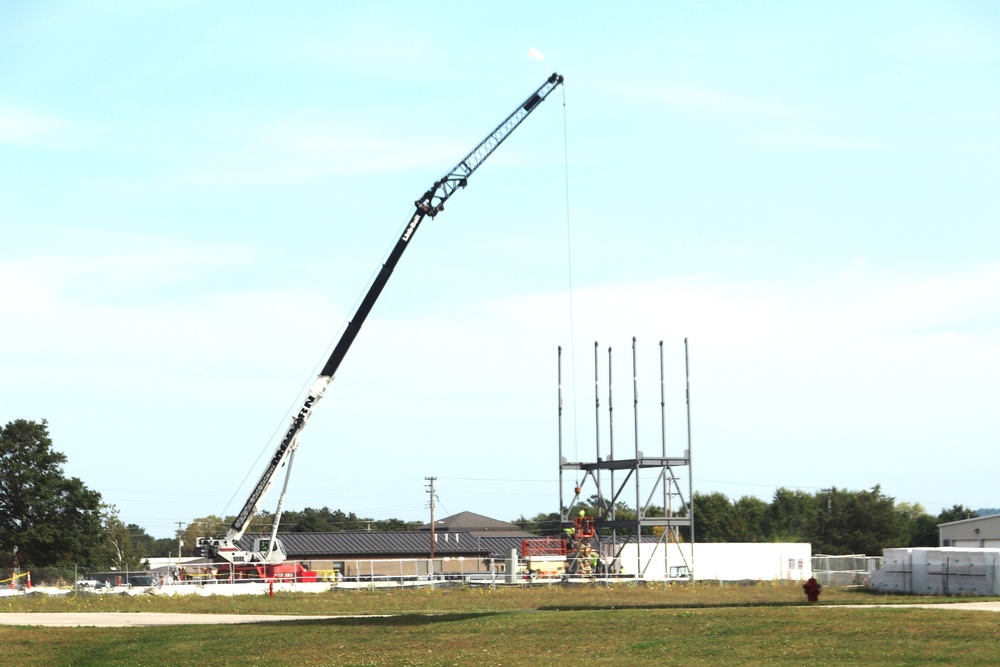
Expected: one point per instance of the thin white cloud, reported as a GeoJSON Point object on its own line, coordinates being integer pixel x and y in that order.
{"type": "Point", "coordinates": [777, 125]}
{"type": "Point", "coordinates": [353, 146]}
{"type": "Point", "coordinates": [306, 146]}
{"type": "Point", "coordinates": [692, 98]}
{"type": "Point", "coordinates": [31, 128]}
{"type": "Point", "coordinates": [859, 304]}
{"type": "Point", "coordinates": [861, 316]}
{"type": "Point", "coordinates": [137, 304]}
{"type": "Point", "coordinates": [106, 264]}
{"type": "Point", "coordinates": [951, 42]}
{"type": "Point", "coordinates": [864, 357]}
{"type": "Point", "coordinates": [807, 136]}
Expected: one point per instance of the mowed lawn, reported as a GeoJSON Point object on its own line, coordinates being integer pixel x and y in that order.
{"type": "Point", "coordinates": [692, 625]}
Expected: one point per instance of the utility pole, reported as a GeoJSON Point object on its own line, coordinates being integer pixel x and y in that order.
{"type": "Point", "coordinates": [180, 540]}
{"type": "Point", "coordinates": [430, 489]}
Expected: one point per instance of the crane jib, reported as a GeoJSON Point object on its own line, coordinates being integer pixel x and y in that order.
{"type": "Point", "coordinates": [532, 102]}
{"type": "Point", "coordinates": [430, 204]}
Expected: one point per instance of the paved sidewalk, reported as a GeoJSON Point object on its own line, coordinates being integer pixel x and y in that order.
{"type": "Point", "coordinates": [140, 619]}
{"type": "Point", "coordinates": [124, 620]}
{"type": "Point", "coordinates": [954, 606]}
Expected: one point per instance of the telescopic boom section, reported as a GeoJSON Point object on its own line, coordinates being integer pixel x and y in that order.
{"type": "Point", "coordinates": [430, 204]}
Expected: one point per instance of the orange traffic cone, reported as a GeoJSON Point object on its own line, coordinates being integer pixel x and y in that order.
{"type": "Point", "coordinates": [29, 581]}
{"type": "Point", "coordinates": [12, 583]}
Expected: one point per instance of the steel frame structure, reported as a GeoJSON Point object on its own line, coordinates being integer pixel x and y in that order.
{"type": "Point", "coordinates": [671, 472]}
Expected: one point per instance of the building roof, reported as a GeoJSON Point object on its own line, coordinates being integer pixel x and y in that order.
{"type": "Point", "coordinates": [647, 538]}
{"type": "Point", "coordinates": [986, 518]}
{"type": "Point", "coordinates": [387, 544]}
{"type": "Point", "coordinates": [476, 524]}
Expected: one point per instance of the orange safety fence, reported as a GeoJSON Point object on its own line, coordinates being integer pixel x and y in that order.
{"type": "Point", "coordinates": [13, 580]}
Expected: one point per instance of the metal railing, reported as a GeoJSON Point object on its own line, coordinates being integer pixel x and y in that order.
{"type": "Point", "coordinates": [319, 575]}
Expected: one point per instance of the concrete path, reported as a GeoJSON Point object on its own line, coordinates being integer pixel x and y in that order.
{"type": "Point", "coordinates": [954, 606]}
{"type": "Point", "coordinates": [125, 620]}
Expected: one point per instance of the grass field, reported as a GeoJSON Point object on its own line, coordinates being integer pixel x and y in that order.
{"type": "Point", "coordinates": [675, 625]}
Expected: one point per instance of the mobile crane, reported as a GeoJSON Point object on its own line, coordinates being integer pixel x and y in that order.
{"type": "Point", "coordinates": [266, 559]}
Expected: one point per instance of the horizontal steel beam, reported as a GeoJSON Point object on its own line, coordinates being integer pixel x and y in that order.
{"type": "Point", "coordinates": [648, 522]}
{"type": "Point", "coordinates": [629, 464]}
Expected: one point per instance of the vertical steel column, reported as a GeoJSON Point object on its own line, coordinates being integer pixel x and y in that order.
{"type": "Point", "coordinates": [611, 445]}
{"type": "Point", "coordinates": [668, 493]}
{"type": "Point", "coordinates": [687, 395]}
{"type": "Point", "coordinates": [597, 435]}
{"type": "Point", "coordinates": [638, 455]}
{"type": "Point", "coordinates": [562, 505]}
{"type": "Point", "coordinates": [663, 465]}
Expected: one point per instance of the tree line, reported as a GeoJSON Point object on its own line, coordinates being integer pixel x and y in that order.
{"type": "Point", "coordinates": [834, 521]}
{"type": "Point", "coordinates": [309, 520]}
{"type": "Point", "coordinates": [48, 519]}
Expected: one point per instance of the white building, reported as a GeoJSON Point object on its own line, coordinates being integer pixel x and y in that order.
{"type": "Point", "coordinates": [980, 532]}
{"type": "Point", "coordinates": [720, 561]}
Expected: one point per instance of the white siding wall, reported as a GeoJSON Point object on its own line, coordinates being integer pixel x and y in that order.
{"type": "Point", "coordinates": [724, 561]}
{"type": "Point", "coordinates": [982, 531]}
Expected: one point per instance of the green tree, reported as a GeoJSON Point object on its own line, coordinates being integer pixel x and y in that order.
{"type": "Point", "coordinates": [543, 523]}
{"type": "Point", "coordinates": [325, 520]}
{"type": "Point", "coordinates": [600, 508]}
{"type": "Point", "coordinates": [162, 547]}
{"type": "Point", "coordinates": [794, 515]}
{"type": "Point", "coordinates": [956, 513]}
{"type": "Point", "coordinates": [917, 527]}
{"type": "Point", "coordinates": [118, 549]}
{"type": "Point", "coordinates": [149, 546]}
{"type": "Point", "coordinates": [395, 525]}
{"type": "Point", "coordinates": [857, 522]}
{"type": "Point", "coordinates": [51, 519]}
{"type": "Point", "coordinates": [749, 520]}
{"type": "Point", "coordinates": [214, 525]}
{"type": "Point", "coordinates": [211, 525]}
{"type": "Point", "coordinates": [712, 517]}
{"type": "Point", "coordinates": [322, 520]}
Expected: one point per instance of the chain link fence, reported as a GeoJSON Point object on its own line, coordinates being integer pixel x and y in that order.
{"type": "Point", "coordinates": [69, 577]}
{"type": "Point", "coordinates": [853, 570]}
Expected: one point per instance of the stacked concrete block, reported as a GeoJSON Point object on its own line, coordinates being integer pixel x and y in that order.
{"type": "Point", "coordinates": [896, 575]}
{"type": "Point", "coordinates": [939, 571]}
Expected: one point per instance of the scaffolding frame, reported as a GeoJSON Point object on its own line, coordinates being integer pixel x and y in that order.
{"type": "Point", "coordinates": [614, 532]}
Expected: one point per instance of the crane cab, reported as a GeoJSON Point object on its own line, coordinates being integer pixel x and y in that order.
{"type": "Point", "coordinates": [269, 552]}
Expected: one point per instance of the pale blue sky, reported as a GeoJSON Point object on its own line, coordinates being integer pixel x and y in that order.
{"type": "Point", "coordinates": [193, 195]}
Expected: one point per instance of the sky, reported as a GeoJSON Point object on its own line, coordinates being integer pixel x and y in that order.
{"type": "Point", "coordinates": [194, 196]}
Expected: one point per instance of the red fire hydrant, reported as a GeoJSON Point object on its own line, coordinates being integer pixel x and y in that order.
{"type": "Point", "coordinates": [812, 589]}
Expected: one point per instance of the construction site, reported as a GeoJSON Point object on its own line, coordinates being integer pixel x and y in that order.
{"type": "Point", "coordinates": [640, 525]}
